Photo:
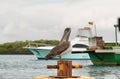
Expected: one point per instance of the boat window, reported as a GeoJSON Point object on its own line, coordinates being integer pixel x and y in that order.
{"type": "Point", "coordinates": [80, 46]}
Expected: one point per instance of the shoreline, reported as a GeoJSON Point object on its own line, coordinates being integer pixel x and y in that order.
{"type": "Point", "coordinates": [29, 53]}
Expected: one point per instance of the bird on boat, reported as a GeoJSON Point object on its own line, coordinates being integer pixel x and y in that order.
{"type": "Point", "coordinates": [62, 48]}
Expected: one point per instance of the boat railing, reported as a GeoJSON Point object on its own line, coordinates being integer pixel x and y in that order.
{"type": "Point", "coordinates": [36, 45]}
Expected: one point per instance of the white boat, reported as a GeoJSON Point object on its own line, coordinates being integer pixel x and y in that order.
{"type": "Point", "coordinates": [80, 43]}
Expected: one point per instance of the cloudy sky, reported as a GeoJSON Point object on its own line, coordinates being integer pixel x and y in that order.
{"type": "Point", "coordinates": [22, 20]}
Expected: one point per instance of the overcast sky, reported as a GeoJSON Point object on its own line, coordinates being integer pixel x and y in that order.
{"type": "Point", "coordinates": [22, 20]}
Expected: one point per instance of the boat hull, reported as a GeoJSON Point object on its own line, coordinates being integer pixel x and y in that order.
{"type": "Point", "coordinates": [41, 53]}
{"type": "Point", "coordinates": [105, 58]}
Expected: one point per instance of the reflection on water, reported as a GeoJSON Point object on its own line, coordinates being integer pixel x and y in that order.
{"type": "Point", "coordinates": [27, 67]}
{"type": "Point", "coordinates": [105, 72]}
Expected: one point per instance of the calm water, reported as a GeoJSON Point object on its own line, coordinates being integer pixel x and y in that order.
{"type": "Point", "coordinates": [27, 67]}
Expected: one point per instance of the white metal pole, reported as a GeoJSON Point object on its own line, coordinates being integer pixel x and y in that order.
{"type": "Point", "coordinates": [95, 30]}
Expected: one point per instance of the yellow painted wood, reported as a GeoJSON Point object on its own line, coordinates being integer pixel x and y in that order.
{"type": "Point", "coordinates": [82, 77]}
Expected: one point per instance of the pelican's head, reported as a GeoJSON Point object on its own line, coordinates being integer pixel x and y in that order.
{"type": "Point", "coordinates": [66, 34]}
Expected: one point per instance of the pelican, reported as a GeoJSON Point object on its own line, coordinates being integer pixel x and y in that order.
{"type": "Point", "coordinates": [62, 48]}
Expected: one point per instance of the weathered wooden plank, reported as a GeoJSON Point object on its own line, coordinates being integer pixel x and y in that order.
{"type": "Point", "coordinates": [76, 66]}
{"type": "Point", "coordinates": [52, 66]}
{"type": "Point", "coordinates": [56, 66]}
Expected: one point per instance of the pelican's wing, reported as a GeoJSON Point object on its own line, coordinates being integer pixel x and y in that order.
{"type": "Point", "coordinates": [56, 51]}
{"type": "Point", "coordinates": [60, 48]}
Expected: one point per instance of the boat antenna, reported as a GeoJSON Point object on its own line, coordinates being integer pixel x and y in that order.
{"type": "Point", "coordinates": [117, 26]}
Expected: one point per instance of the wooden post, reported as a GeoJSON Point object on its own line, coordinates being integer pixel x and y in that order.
{"type": "Point", "coordinates": [64, 68]}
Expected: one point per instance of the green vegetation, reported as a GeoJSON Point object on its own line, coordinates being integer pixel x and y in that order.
{"type": "Point", "coordinates": [17, 46]}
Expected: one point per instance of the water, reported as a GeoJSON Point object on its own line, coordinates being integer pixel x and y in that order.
{"type": "Point", "coordinates": [27, 67]}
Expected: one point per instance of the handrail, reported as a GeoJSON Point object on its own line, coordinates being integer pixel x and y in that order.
{"type": "Point", "coordinates": [36, 45]}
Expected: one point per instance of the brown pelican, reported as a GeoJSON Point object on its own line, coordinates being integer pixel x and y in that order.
{"type": "Point", "coordinates": [63, 47]}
